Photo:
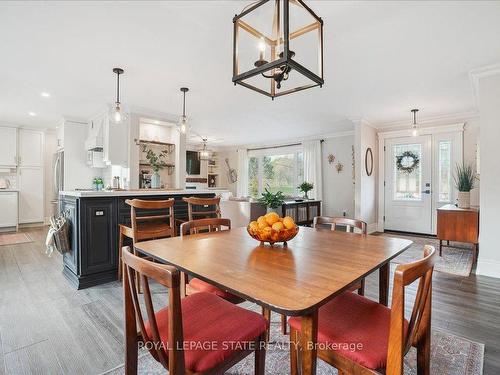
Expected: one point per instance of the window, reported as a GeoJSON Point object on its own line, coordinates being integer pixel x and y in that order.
{"type": "Point", "coordinates": [444, 178]}
{"type": "Point", "coordinates": [407, 185]}
{"type": "Point", "coordinates": [282, 171]}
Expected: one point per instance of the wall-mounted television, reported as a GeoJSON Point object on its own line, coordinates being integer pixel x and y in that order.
{"type": "Point", "coordinates": [192, 163]}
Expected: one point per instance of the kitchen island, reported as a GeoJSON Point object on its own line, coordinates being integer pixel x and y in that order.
{"type": "Point", "coordinates": [94, 217]}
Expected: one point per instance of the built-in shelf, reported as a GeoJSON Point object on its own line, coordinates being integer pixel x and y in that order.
{"type": "Point", "coordinates": [168, 146]}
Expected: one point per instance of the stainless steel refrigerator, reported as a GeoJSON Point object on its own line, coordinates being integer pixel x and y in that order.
{"type": "Point", "coordinates": [58, 172]}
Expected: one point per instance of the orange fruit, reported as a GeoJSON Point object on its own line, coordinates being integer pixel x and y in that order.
{"type": "Point", "coordinates": [253, 225]}
{"type": "Point", "coordinates": [272, 217]}
{"type": "Point", "coordinates": [261, 219]}
{"type": "Point", "coordinates": [263, 225]}
{"type": "Point", "coordinates": [288, 222]}
{"type": "Point", "coordinates": [278, 226]}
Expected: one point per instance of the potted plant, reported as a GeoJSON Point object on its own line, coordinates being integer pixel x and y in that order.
{"type": "Point", "coordinates": [157, 163]}
{"type": "Point", "coordinates": [273, 201]}
{"type": "Point", "coordinates": [464, 181]}
{"type": "Point", "coordinates": [98, 183]}
{"type": "Point", "coordinates": [305, 187]}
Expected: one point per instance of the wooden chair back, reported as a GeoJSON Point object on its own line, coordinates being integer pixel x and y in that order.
{"type": "Point", "coordinates": [349, 224]}
{"type": "Point", "coordinates": [420, 321]}
{"type": "Point", "coordinates": [212, 225]}
{"type": "Point", "coordinates": [194, 204]}
{"type": "Point", "coordinates": [153, 232]}
{"type": "Point", "coordinates": [168, 276]}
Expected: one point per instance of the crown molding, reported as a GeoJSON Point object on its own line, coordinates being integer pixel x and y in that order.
{"type": "Point", "coordinates": [476, 74]}
{"type": "Point", "coordinates": [439, 120]}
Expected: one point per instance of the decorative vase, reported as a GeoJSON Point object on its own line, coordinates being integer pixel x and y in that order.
{"type": "Point", "coordinates": [305, 195]}
{"type": "Point", "coordinates": [155, 181]}
{"type": "Point", "coordinates": [464, 199]}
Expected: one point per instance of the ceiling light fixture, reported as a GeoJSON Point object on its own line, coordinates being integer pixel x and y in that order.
{"type": "Point", "coordinates": [414, 127]}
{"type": "Point", "coordinates": [32, 114]}
{"type": "Point", "coordinates": [280, 63]}
{"type": "Point", "coordinates": [183, 126]}
{"type": "Point", "coordinates": [117, 114]}
{"type": "Point", "coordinates": [204, 153]}
{"type": "Point", "coordinates": [45, 94]}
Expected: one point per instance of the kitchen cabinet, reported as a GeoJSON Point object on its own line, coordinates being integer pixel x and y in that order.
{"type": "Point", "coordinates": [30, 148]}
{"type": "Point", "coordinates": [31, 202]}
{"type": "Point", "coordinates": [8, 147]}
{"type": "Point", "coordinates": [8, 213]}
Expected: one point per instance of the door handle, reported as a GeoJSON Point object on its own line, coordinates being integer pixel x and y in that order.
{"type": "Point", "coordinates": [426, 191]}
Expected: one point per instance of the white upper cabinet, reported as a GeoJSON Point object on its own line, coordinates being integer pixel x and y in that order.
{"type": "Point", "coordinates": [30, 148]}
{"type": "Point", "coordinates": [8, 147]}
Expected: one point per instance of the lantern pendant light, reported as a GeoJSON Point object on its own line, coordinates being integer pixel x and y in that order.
{"type": "Point", "coordinates": [204, 153]}
{"type": "Point", "coordinates": [414, 127]}
{"type": "Point", "coordinates": [118, 115]}
{"type": "Point", "coordinates": [183, 126]}
{"type": "Point", "coordinates": [289, 40]}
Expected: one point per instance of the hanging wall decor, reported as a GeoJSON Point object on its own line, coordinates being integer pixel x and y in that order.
{"type": "Point", "coordinates": [331, 158]}
{"type": "Point", "coordinates": [353, 163]}
{"type": "Point", "coordinates": [277, 47]}
{"type": "Point", "coordinates": [339, 167]}
{"type": "Point", "coordinates": [369, 161]}
{"type": "Point", "coordinates": [407, 162]}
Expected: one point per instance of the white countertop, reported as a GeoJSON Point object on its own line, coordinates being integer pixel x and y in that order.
{"type": "Point", "coordinates": [138, 192]}
{"type": "Point", "coordinates": [9, 190]}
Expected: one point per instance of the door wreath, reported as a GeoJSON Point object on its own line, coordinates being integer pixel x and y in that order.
{"type": "Point", "coordinates": [407, 162]}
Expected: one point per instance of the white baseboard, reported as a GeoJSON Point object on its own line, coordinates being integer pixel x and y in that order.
{"type": "Point", "coordinates": [373, 227]}
{"type": "Point", "coordinates": [488, 267]}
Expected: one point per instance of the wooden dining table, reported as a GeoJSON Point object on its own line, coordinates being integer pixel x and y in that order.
{"type": "Point", "coordinates": [296, 280]}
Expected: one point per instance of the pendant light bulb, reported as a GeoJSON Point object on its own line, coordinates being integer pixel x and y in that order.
{"type": "Point", "coordinates": [183, 126]}
{"type": "Point", "coordinates": [117, 116]}
{"type": "Point", "coordinates": [414, 132]}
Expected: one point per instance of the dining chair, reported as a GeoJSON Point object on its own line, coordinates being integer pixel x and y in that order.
{"type": "Point", "coordinates": [197, 285]}
{"type": "Point", "coordinates": [149, 227]}
{"type": "Point", "coordinates": [349, 225]}
{"type": "Point", "coordinates": [199, 334]}
{"type": "Point", "coordinates": [201, 208]}
{"type": "Point", "coordinates": [360, 336]}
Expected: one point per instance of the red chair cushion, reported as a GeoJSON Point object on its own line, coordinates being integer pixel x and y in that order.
{"type": "Point", "coordinates": [202, 286]}
{"type": "Point", "coordinates": [352, 319]}
{"type": "Point", "coordinates": [214, 322]}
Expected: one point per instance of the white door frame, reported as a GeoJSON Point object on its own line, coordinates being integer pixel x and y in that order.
{"type": "Point", "coordinates": [383, 135]}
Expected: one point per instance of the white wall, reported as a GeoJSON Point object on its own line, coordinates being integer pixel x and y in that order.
{"type": "Point", "coordinates": [232, 156]}
{"type": "Point", "coordinates": [489, 106]}
{"type": "Point", "coordinates": [365, 193]}
{"type": "Point", "coordinates": [338, 188]}
{"type": "Point", "coordinates": [471, 139]}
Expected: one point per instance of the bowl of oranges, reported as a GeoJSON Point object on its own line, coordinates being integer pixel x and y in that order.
{"type": "Point", "coordinates": [272, 228]}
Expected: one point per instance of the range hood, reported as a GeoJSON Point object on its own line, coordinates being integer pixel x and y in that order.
{"type": "Point", "coordinates": [94, 144]}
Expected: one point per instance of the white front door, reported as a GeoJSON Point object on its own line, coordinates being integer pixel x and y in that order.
{"type": "Point", "coordinates": [408, 184]}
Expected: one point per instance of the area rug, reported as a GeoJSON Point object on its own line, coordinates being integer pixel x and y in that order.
{"type": "Point", "coordinates": [450, 355]}
{"type": "Point", "coordinates": [14, 238]}
{"type": "Point", "coordinates": [455, 260]}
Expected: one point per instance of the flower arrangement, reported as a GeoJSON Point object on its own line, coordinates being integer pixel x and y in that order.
{"type": "Point", "coordinates": [305, 187]}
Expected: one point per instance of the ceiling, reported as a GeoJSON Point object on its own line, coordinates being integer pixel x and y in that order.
{"type": "Point", "coordinates": [381, 60]}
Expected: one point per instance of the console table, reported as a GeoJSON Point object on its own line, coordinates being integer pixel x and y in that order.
{"type": "Point", "coordinates": [304, 212]}
{"type": "Point", "coordinates": [458, 224]}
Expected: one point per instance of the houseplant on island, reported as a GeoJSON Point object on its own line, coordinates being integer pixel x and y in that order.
{"type": "Point", "coordinates": [305, 187]}
{"type": "Point", "coordinates": [273, 201]}
{"type": "Point", "coordinates": [157, 163]}
{"type": "Point", "coordinates": [464, 181]}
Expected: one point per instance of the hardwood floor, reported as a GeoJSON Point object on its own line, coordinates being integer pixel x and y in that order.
{"type": "Point", "coordinates": [47, 327]}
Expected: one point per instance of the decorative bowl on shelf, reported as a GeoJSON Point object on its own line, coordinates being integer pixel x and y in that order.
{"type": "Point", "coordinates": [272, 233]}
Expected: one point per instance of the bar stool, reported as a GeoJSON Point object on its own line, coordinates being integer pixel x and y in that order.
{"type": "Point", "coordinates": [146, 227]}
